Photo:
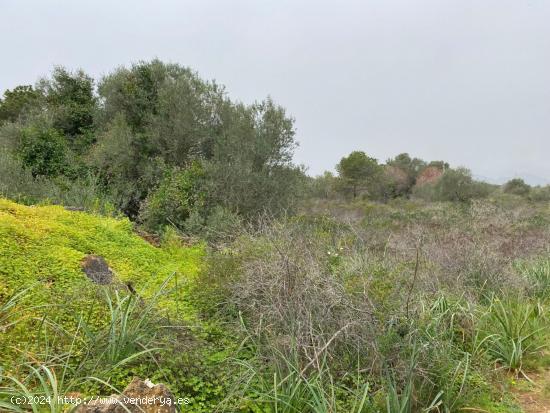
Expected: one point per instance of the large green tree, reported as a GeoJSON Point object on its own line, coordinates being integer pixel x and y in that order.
{"type": "Point", "coordinates": [43, 150]}
{"type": "Point", "coordinates": [18, 102]}
{"type": "Point", "coordinates": [159, 116]}
{"type": "Point", "coordinates": [358, 172]}
{"type": "Point", "coordinates": [154, 116]}
{"type": "Point", "coordinates": [250, 169]}
{"type": "Point", "coordinates": [72, 104]}
{"type": "Point", "coordinates": [146, 131]}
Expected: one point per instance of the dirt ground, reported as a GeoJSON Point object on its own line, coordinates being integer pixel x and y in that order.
{"type": "Point", "coordinates": [535, 397]}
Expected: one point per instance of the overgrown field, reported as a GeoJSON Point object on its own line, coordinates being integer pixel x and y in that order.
{"type": "Point", "coordinates": [226, 272]}
{"type": "Point", "coordinates": [398, 307]}
{"type": "Point", "coordinates": [356, 306]}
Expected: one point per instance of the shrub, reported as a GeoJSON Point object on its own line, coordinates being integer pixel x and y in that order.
{"type": "Point", "coordinates": [288, 292]}
{"type": "Point", "coordinates": [18, 103]}
{"type": "Point", "coordinates": [222, 224]}
{"type": "Point", "coordinates": [323, 186]}
{"type": "Point", "coordinates": [540, 193]}
{"type": "Point", "coordinates": [455, 185]}
{"type": "Point", "coordinates": [516, 186]}
{"type": "Point", "coordinates": [71, 102]}
{"type": "Point", "coordinates": [18, 183]}
{"type": "Point", "coordinates": [179, 195]}
{"type": "Point", "coordinates": [43, 150]}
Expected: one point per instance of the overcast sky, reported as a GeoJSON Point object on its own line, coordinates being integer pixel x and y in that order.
{"type": "Point", "coordinates": [467, 81]}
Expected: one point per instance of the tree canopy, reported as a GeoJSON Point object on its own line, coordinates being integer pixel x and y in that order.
{"type": "Point", "coordinates": [357, 170]}
{"type": "Point", "coordinates": [144, 131]}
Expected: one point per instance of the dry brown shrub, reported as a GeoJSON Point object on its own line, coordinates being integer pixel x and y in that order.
{"type": "Point", "coordinates": [292, 299]}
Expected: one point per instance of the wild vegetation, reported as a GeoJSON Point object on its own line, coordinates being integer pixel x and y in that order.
{"type": "Point", "coordinates": [239, 281]}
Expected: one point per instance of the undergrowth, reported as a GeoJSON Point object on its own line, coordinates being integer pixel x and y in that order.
{"type": "Point", "coordinates": [404, 308]}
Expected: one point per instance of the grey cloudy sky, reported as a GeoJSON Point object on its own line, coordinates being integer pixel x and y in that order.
{"type": "Point", "coordinates": [467, 81]}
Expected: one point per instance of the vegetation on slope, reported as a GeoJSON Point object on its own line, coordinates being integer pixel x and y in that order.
{"type": "Point", "coordinates": [53, 315]}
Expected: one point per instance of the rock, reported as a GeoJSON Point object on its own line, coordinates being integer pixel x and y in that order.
{"type": "Point", "coordinates": [97, 269]}
{"type": "Point", "coordinates": [138, 396]}
{"type": "Point", "coordinates": [429, 175]}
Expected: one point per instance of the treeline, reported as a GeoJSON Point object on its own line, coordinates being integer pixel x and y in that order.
{"type": "Point", "coordinates": [402, 176]}
{"type": "Point", "coordinates": [161, 145]}
{"type": "Point", "coordinates": [360, 176]}
{"type": "Point", "coordinates": [154, 141]}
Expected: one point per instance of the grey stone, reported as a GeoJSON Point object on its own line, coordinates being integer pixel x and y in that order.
{"type": "Point", "coordinates": [97, 269]}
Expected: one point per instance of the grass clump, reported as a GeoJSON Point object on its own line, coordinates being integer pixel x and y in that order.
{"type": "Point", "coordinates": [514, 331]}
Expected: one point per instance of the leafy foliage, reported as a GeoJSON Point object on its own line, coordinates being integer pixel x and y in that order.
{"type": "Point", "coordinates": [71, 101]}
{"type": "Point", "coordinates": [516, 186]}
{"type": "Point", "coordinates": [357, 171]}
{"type": "Point", "coordinates": [158, 117]}
{"type": "Point", "coordinates": [178, 195]}
{"type": "Point", "coordinates": [18, 103]}
{"type": "Point", "coordinates": [516, 329]}
{"type": "Point", "coordinates": [455, 185]}
{"type": "Point", "coordinates": [43, 151]}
